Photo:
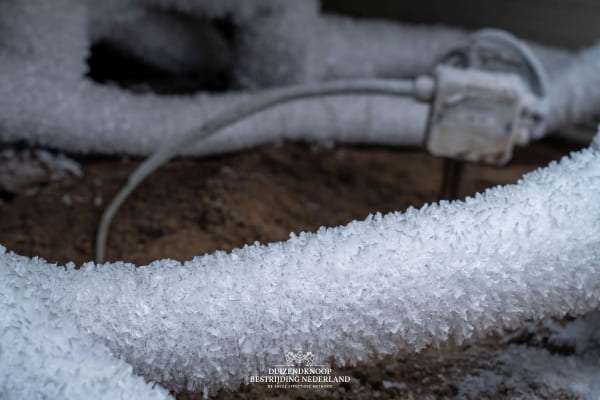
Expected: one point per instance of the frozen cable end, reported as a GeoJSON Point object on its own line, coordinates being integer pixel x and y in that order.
{"type": "Point", "coordinates": [424, 88]}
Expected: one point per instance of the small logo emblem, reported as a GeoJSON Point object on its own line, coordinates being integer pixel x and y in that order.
{"type": "Point", "coordinates": [299, 359]}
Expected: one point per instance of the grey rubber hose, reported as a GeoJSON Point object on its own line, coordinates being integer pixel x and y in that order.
{"type": "Point", "coordinates": [421, 89]}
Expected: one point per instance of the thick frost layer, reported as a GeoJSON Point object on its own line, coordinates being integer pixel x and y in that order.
{"type": "Point", "coordinates": [524, 369]}
{"type": "Point", "coordinates": [576, 95]}
{"type": "Point", "coordinates": [401, 281]}
{"type": "Point", "coordinates": [45, 99]}
{"type": "Point", "coordinates": [582, 334]}
{"type": "Point", "coordinates": [44, 355]}
{"type": "Point", "coordinates": [19, 169]}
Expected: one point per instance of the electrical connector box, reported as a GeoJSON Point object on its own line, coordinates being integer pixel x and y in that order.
{"type": "Point", "coordinates": [476, 115]}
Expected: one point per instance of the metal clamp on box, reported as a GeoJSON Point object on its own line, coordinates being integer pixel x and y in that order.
{"type": "Point", "coordinates": [486, 100]}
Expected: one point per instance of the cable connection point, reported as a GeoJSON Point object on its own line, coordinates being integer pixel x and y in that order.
{"type": "Point", "coordinates": [489, 96]}
{"type": "Point", "coordinates": [424, 88]}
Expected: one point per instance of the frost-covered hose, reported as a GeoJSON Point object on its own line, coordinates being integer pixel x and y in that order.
{"type": "Point", "coordinates": [46, 99]}
{"type": "Point", "coordinates": [575, 96]}
{"type": "Point", "coordinates": [404, 281]}
{"type": "Point", "coordinates": [420, 89]}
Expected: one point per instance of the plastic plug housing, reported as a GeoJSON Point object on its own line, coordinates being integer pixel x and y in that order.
{"type": "Point", "coordinates": [478, 115]}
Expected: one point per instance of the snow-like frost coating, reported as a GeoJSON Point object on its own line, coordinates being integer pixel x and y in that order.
{"type": "Point", "coordinates": [403, 281]}
{"type": "Point", "coordinates": [46, 99]}
{"type": "Point", "coordinates": [523, 369]}
{"type": "Point", "coordinates": [43, 354]}
{"type": "Point", "coordinates": [526, 371]}
{"type": "Point", "coordinates": [576, 95]}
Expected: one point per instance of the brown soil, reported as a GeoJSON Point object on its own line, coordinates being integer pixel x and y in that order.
{"type": "Point", "coordinates": [194, 206]}
{"type": "Point", "coordinates": [429, 375]}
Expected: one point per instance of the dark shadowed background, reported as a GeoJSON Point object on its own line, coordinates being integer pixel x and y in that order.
{"type": "Point", "coordinates": [572, 23]}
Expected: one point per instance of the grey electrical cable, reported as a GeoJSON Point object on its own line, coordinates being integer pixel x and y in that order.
{"type": "Point", "coordinates": [420, 88]}
{"type": "Point", "coordinates": [531, 60]}
{"type": "Point", "coordinates": [538, 79]}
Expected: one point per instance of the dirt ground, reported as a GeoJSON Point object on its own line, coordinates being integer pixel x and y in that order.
{"type": "Point", "coordinates": [195, 206]}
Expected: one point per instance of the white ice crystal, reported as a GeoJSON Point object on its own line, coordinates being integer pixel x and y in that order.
{"type": "Point", "coordinates": [449, 271]}
{"type": "Point", "coordinates": [18, 169]}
